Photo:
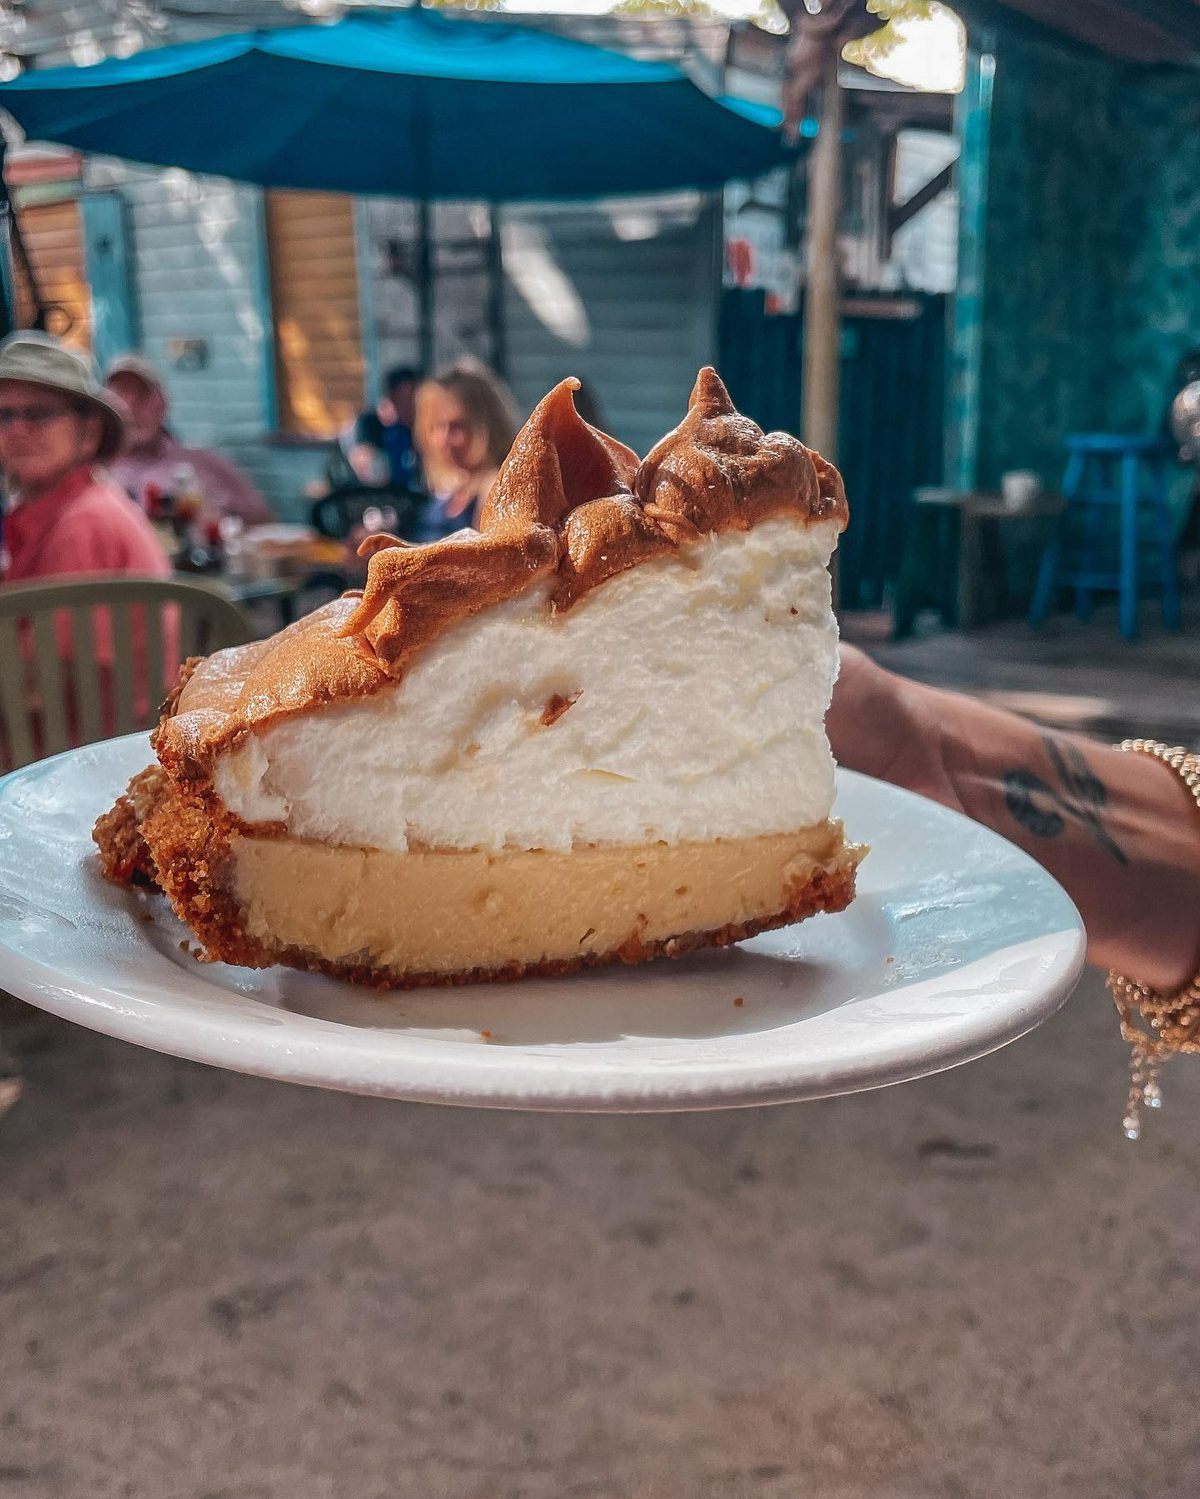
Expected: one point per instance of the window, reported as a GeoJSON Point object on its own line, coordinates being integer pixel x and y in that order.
{"type": "Point", "coordinates": [314, 299]}
{"type": "Point", "coordinates": [53, 238]}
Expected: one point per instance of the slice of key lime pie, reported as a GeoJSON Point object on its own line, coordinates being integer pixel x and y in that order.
{"type": "Point", "coordinates": [592, 730]}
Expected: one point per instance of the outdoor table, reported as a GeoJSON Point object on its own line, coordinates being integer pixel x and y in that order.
{"type": "Point", "coordinates": [274, 565]}
{"type": "Point", "coordinates": [279, 592]}
{"type": "Point", "coordinates": [955, 538]}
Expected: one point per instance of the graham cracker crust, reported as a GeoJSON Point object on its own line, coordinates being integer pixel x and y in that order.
{"type": "Point", "coordinates": [162, 834]}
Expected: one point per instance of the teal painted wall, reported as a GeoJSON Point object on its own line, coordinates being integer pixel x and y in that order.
{"type": "Point", "coordinates": [1157, 310]}
{"type": "Point", "coordinates": [1048, 251]}
{"type": "Point", "coordinates": [972, 120]}
{"type": "Point", "coordinates": [1081, 211]}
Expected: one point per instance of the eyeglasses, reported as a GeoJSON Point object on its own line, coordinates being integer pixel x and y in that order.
{"type": "Point", "coordinates": [32, 416]}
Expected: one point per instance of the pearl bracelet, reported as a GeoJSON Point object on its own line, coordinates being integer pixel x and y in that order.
{"type": "Point", "coordinates": [1157, 1022]}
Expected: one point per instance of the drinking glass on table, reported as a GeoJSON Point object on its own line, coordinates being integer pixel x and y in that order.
{"type": "Point", "coordinates": [187, 495]}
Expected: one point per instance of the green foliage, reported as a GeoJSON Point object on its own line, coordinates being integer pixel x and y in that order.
{"type": "Point", "coordinates": [463, 4]}
{"type": "Point", "coordinates": [663, 8]}
{"type": "Point", "coordinates": [768, 14]}
{"type": "Point", "coordinates": [878, 45]}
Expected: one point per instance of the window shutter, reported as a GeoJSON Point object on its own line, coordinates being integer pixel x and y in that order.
{"type": "Point", "coordinates": [53, 236]}
{"type": "Point", "coordinates": [315, 307]}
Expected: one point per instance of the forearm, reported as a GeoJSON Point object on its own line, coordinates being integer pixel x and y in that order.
{"type": "Point", "coordinates": [1120, 832]}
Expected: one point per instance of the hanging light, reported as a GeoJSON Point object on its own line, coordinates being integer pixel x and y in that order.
{"type": "Point", "coordinates": [85, 50]}
{"type": "Point", "coordinates": [127, 40]}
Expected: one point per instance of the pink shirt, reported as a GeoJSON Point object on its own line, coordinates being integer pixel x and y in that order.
{"type": "Point", "coordinates": [85, 524]}
{"type": "Point", "coordinates": [226, 489]}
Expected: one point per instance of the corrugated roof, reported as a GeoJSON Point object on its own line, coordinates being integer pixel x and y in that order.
{"type": "Point", "coordinates": [1152, 32]}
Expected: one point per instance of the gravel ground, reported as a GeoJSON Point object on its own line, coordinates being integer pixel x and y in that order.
{"type": "Point", "coordinates": [973, 1287]}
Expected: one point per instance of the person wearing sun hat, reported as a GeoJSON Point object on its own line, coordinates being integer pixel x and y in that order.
{"type": "Point", "coordinates": [58, 426]}
{"type": "Point", "coordinates": [65, 516]}
{"type": "Point", "coordinates": [152, 457]}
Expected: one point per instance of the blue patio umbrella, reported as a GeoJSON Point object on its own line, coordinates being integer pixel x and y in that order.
{"type": "Point", "coordinates": [410, 103]}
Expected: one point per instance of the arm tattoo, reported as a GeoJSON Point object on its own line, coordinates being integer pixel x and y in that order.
{"type": "Point", "coordinates": [1043, 811]}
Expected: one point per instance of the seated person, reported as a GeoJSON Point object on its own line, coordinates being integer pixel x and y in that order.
{"type": "Point", "coordinates": [152, 459]}
{"type": "Point", "coordinates": [466, 420]}
{"type": "Point", "coordinates": [64, 515]}
{"type": "Point", "coordinates": [58, 425]}
{"type": "Point", "coordinates": [379, 449]}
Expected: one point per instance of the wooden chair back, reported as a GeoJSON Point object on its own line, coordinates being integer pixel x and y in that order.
{"type": "Point", "coordinates": [59, 689]}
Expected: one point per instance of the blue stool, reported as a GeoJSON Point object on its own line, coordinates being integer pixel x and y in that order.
{"type": "Point", "coordinates": [1106, 473]}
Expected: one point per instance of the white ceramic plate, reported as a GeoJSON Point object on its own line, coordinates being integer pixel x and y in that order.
{"type": "Point", "coordinates": [957, 944]}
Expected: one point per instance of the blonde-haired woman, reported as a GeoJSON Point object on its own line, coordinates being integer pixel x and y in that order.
{"type": "Point", "coordinates": [466, 420]}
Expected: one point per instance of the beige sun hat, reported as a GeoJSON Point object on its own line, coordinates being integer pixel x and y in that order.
{"type": "Point", "coordinates": [38, 359]}
{"type": "Point", "coordinates": [138, 366]}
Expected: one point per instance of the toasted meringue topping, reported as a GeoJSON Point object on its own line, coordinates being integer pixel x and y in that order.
{"type": "Point", "coordinates": [570, 504]}
{"type": "Point", "coordinates": [718, 471]}
{"type": "Point", "coordinates": [699, 693]}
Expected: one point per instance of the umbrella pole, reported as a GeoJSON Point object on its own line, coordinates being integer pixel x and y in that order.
{"type": "Point", "coordinates": [495, 292]}
{"type": "Point", "coordinates": [822, 315]}
{"type": "Point", "coordinates": [425, 284]}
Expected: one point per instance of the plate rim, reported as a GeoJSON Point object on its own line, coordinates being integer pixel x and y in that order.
{"type": "Point", "coordinates": [710, 1085]}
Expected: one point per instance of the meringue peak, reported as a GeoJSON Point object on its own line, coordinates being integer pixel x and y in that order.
{"type": "Point", "coordinates": [709, 395]}
{"type": "Point", "coordinates": [558, 462]}
{"type": "Point", "coordinates": [570, 508]}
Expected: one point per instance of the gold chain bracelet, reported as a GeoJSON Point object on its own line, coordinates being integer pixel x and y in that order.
{"type": "Point", "coordinates": [1156, 1022]}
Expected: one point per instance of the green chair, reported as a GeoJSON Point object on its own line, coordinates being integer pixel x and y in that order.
{"type": "Point", "coordinates": [52, 698]}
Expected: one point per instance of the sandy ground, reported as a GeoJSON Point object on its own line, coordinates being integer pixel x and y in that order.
{"type": "Point", "coordinates": [972, 1287]}
{"type": "Point", "coordinates": [966, 1288]}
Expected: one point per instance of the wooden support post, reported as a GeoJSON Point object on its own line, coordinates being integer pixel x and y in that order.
{"type": "Point", "coordinates": [822, 319]}
{"type": "Point", "coordinates": [822, 314]}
